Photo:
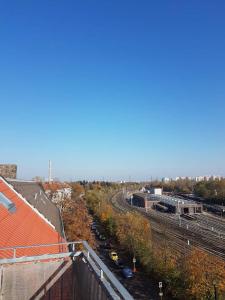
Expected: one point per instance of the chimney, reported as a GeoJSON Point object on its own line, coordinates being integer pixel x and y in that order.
{"type": "Point", "coordinates": [8, 171]}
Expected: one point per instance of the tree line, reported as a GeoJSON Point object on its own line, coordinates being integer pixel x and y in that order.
{"type": "Point", "coordinates": [212, 191]}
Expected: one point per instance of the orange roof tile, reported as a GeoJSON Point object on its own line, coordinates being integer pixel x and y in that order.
{"type": "Point", "coordinates": [24, 227]}
{"type": "Point", "coordinates": [54, 186]}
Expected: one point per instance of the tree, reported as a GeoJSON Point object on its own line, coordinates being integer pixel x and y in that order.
{"type": "Point", "coordinates": [134, 232]}
{"type": "Point", "coordinates": [202, 271]}
{"type": "Point", "coordinates": [78, 189]}
{"type": "Point", "coordinates": [77, 221]}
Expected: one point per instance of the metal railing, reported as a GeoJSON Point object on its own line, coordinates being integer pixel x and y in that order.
{"type": "Point", "coordinates": [72, 249]}
{"type": "Point", "coordinates": [16, 249]}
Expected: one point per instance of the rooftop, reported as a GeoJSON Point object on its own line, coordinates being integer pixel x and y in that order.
{"type": "Point", "coordinates": [55, 186]}
{"type": "Point", "coordinates": [172, 200]}
{"type": "Point", "coordinates": [21, 223]}
{"type": "Point", "coordinates": [34, 193]}
{"type": "Point", "coordinates": [146, 196]}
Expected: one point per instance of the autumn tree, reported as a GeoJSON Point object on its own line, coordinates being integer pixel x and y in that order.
{"type": "Point", "coordinates": [134, 232]}
{"type": "Point", "coordinates": [203, 274]}
{"type": "Point", "coordinates": [77, 221]}
{"type": "Point", "coordinates": [78, 189]}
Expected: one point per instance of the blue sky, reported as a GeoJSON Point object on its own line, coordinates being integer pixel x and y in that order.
{"type": "Point", "coordinates": [113, 89]}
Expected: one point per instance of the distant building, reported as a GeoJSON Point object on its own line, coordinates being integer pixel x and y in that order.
{"type": "Point", "coordinates": [207, 178]}
{"type": "Point", "coordinates": [155, 191]}
{"type": "Point", "coordinates": [183, 178]}
{"type": "Point", "coordinates": [8, 170]}
{"type": "Point", "coordinates": [57, 191]}
{"type": "Point", "coordinates": [215, 177]}
{"type": "Point", "coordinates": [165, 179]}
{"type": "Point", "coordinates": [199, 178]}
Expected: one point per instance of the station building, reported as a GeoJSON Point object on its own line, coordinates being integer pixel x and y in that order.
{"type": "Point", "coordinates": [166, 203]}
{"type": "Point", "coordinates": [144, 200]}
{"type": "Point", "coordinates": [180, 206]}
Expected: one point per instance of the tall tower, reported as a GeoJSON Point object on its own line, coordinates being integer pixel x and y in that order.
{"type": "Point", "coordinates": [49, 171]}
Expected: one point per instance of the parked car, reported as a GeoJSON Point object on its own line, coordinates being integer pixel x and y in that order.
{"type": "Point", "coordinates": [102, 237]}
{"type": "Point", "coordinates": [127, 272]}
{"type": "Point", "coordinates": [119, 263]}
{"type": "Point", "coordinates": [106, 245]}
{"type": "Point", "coordinates": [113, 255]}
{"type": "Point", "coordinates": [93, 226]}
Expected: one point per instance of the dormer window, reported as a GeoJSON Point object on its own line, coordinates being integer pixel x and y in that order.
{"type": "Point", "coordinates": [8, 204]}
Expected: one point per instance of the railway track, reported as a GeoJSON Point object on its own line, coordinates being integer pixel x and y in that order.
{"type": "Point", "coordinates": [181, 235]}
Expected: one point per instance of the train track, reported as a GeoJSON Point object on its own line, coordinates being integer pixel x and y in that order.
{"type": "Point", "coordinates": [181, 235]}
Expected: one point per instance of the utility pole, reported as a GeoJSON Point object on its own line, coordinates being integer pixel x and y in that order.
{"type": "Point", "coordinates": [49, 171]}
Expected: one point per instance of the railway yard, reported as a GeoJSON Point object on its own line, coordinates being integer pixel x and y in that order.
{"type": "Point", "coordinates": [204, 231]}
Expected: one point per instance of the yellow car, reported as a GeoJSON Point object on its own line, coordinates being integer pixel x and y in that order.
{"type": "Point", "coordinates": [113, 255]}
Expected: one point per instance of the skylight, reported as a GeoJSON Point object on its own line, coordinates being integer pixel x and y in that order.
{"type": "Point", "coordinates": [7, 203]}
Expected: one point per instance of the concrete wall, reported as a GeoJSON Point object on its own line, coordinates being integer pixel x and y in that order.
{"type": "Point", "coordinates": [150, 204]}
{"type": "Point", "coordinates": [53, 280]}
{"type": "Point", "coordinates": [8, 171]}
{"type": "Point", "coordinates": [191, 209]}
{"type": "Point", "coordinates": [142, 201]}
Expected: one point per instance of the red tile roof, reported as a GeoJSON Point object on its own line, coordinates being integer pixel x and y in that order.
{"type": "Point", "coordinates": [54, 186]}
{"type": "Point", "coordinates": [24, 227]}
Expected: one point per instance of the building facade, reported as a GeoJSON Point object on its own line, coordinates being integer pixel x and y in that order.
{"type": "Point", "coordinates": [179, 206]}
{"type": "Point", "coordinates": [144, 200]}
{"type": "Point", "coordinates": [57, 192]}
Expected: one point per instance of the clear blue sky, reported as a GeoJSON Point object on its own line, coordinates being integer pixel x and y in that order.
{"type": "Point", "coordinates": [113, 89]}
